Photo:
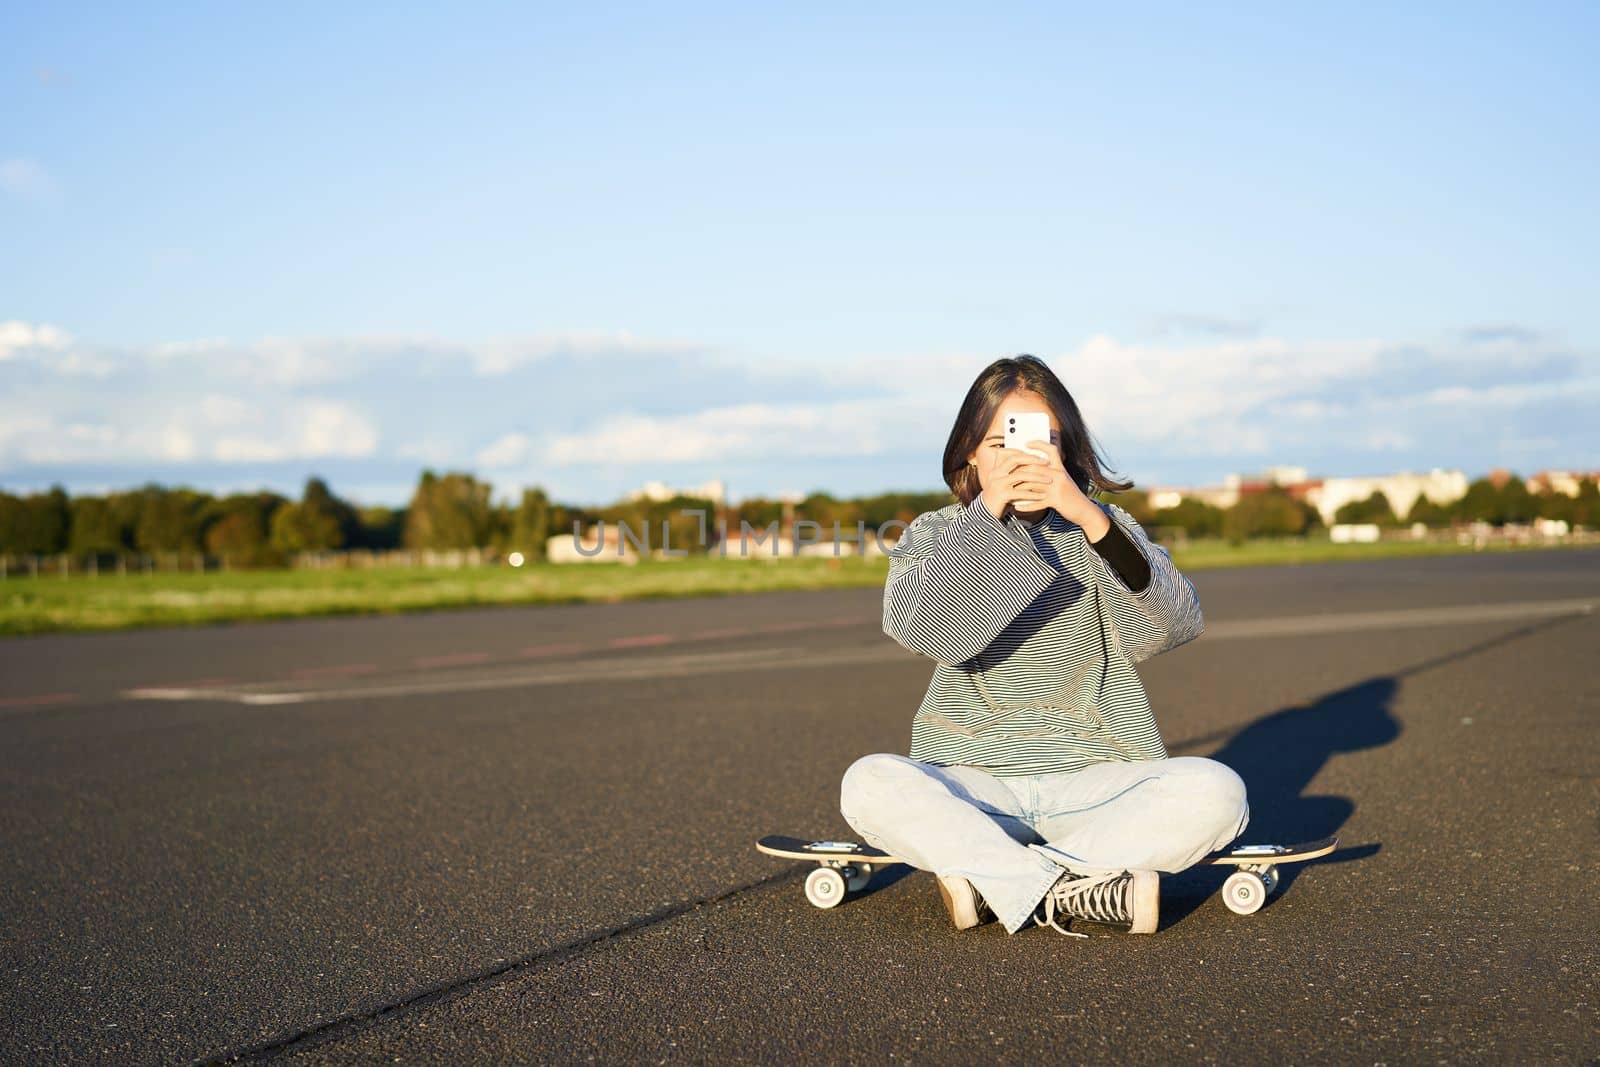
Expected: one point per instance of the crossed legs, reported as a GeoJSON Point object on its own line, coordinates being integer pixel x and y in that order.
{"type": "Point", "coordinates": [1010, 836]}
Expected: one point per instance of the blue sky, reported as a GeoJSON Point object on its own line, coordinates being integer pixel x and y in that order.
{"type": "Point", "coordinates": [587, 247]}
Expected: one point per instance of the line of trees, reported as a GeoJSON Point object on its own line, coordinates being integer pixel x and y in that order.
{"type": "Point", "coordinates": [264, 529]}
{"type": "Point", "coordinates": [450, 510]}
{"type": "Point", "coordinates": [454, 510]}
{"type": "Point", "coordinates": [1274, 512]}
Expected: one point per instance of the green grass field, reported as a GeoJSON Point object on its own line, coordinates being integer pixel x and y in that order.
{"type": "Point", "coordinates": [109, 602]}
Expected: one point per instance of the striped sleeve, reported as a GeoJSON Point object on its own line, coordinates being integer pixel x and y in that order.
{"type": "Point", "coordinates": [957, 577]}
{"type": "Point", "coordinates": [1162, 616]}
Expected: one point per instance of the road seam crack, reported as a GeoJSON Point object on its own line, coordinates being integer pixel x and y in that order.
{"type": "Point", "coordinates": [352, 1023]}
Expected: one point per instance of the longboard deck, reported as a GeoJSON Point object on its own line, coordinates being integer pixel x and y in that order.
{"type": "Point", "coordinates": [1267, 855]}
{"type": "Point", "coordinates": [796, 848]}
{"type": "Point", "coordinates": [844, 851]}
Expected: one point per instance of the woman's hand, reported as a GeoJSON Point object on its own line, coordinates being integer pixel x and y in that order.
{"type": "Point", "coordinates": [1010, 476]}
{"type": "Point", "coordinates": [1041, 483]}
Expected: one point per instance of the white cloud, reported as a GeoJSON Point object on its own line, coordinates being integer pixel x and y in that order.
{"type": "Point", "coordinates": [505, 451]}
{"type": "Point", "coordinates": [1145, 392]}
{"type": "Point", "coordinates": [219, 410]}
{"type": "Point", "coordinates": [95, 434]}
{"type": "Point", "coordinates": [17, 427]}
{"type": "Point", "coordinates": [1505, 397]}
{"type": "Point", "coordinates": [248, 450]}
{"type": "Point", "coordinates": [176, 443]}
{"type": "Point", "coordinates": [324, 428]}
{"type": "Point", "coordinates": [1384, 438]}
{"type": "Point", "coordinates": [744, 431]}
{"type": "Point", "coordinates": [503, 355]}
{"type": "Point", "coordinates": [17, 338]}
{"type": "Point", "coordinates": [25, 178]}
{"type": "Point", "coordinates": [593, 405]}
{"type": "Point", "coordinates": [292, 363]}
{"type": "Point", "coordinates": [53, 349]}
{"type": "Point", "coordinates": [1518, 446]}
{"type": "Point", "coordinates": [215, 427]}
{"type": "Point", "coordinates": [431, 451]}
{"type": "Point", "coordinates": [1208, 325]}
{"type": "Point", "coordinates": [308, 429]}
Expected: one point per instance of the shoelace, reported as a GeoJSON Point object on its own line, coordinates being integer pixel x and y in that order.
{"type": "Point", "coordinates": [1097, 897]}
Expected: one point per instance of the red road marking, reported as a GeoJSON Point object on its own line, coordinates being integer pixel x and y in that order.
{"type": "Point", "coordinates": [339, 669]}
{"type": "Point", "coordinates": [732, 631]}
{"type": "Point", "coordinates": [31, 702]}
{"type": "Point", "coordinates": [454, 659]}
{"type": "Point", "coordinates": [781, 627]}
{"type": "Point", "coordinates": [551, 650]}
{"type": "Point", "coordinates": [641, 639]}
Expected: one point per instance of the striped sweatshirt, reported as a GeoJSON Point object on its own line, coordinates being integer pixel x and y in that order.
{"type": "Point", "coordinates": [1035, 635]}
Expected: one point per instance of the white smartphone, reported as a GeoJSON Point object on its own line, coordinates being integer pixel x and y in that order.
{"type": "Point", "coordinates": [1025, 426]}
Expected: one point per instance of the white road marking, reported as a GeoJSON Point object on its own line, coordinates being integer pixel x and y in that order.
{"type": "Point", "coordinates": [1396, 619]}
{"type": "Point", "coordinates": [630, 668]}
{"type": "Point", "coordinates": [516, 675]}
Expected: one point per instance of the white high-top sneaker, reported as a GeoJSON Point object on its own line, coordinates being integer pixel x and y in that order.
{"type": "Point", "coordinates": [963, 902]}
{"type": "Point", "coordinates": [1123, 898]}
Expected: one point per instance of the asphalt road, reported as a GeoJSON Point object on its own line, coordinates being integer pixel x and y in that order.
{"type": "Point", "coordinates": [525, 835]}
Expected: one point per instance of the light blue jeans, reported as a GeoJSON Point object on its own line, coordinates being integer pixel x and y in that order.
{"type": "Point", "coordinates": [1010, 836]}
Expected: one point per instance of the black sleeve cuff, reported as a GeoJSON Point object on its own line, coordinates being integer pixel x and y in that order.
{"type": "Point", "coordinates": [1117, 549]}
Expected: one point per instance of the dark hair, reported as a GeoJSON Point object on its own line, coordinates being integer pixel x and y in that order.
{"type": "Point", "coordinates": [999, 380]}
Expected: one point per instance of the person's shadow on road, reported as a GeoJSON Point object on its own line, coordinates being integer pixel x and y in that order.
{"type": "Point", "coordinates": [1278, 755]}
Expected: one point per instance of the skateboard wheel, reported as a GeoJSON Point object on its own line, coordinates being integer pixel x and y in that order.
{"type": "Point", "coordinates": [825, 887]}
{"type": "Point", "coordinates": [1244, 892]}
{"type": "Point", "coordinates": [858, 877]}
{"type": "Point", "coordinates": [1269, 878]}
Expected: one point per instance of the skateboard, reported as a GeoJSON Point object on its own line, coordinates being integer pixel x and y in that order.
{"type": "Point", "coordinates": [1257, 876]}
{"type": "Point", "coordinates": [841, 865]}
{"type": "Point", "coordinates": [846, 866]}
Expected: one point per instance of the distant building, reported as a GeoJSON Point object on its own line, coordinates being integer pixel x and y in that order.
{"type": "Point", "coordinates": [713, 490]}
{"type": "Point", "coordinates": [1565, 482]}
{"type": "Point", "coordinates": [758, 542]}
{"type": "Point", "coordinates": [1327, 495]}
{"type": "Point", "coordinates": [1164, 498]}
{"type": "Point", "coordinates": [564, 548]}
{"type": "Point", "coordinates": [1223, 496]}
{"type": "Point", "coordinates": [1352, 533]}
{"type": "Point", "coordinates": [1282, 475]}
{"type": "Point", "coordinates": [1402, 491]}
